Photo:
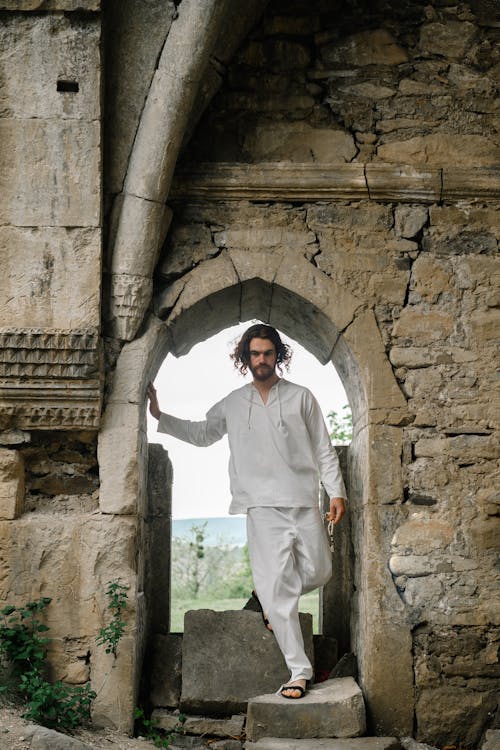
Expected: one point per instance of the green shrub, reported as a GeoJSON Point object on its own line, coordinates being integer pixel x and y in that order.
{"type": "Point", "coordinates": [150, 730]}
{"type": "Point", "coordinates": [23, 645]}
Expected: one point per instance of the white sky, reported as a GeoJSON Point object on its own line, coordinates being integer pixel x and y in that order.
{"type": "Point", "coordinates": [190, 385]}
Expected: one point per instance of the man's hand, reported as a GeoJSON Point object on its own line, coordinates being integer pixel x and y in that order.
{"type": "Point", "coordinates": [154, 406]}
{"type": "Point", "coordinates": [337, 509]}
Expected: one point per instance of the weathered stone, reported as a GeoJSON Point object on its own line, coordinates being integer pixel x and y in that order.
{"type": "Point", "coordinates": [166, 671]}
{"type": "Point", "coordinates": [376, 47]}
{"type": "Point", "coordinates": [452, 714]}
{"type": "Point", "coordinates": [423, 534]}
{"type": "Point", "coordinates": [11, 484]}
{"type": "Point", "coordinates": [48, 739]}
{"type": "Point", "coordinates": [438, 149]}
{"type": "Point", "coordinates": [423, 326]}
{"type": "Point", "coordinates": [491, 740]}
{"type": "Point", "coordinates": [299, 142]}
{"type": "Point", "coordinates": [334, 708]}
{"type": "Point", "coordinates": [409, 220]}
{"type": "Point", "coordinates": [408, 743]}
{"type": "Point", "coordinates": [200, 725]}
{"type": "Point", "coordinates": [129, 22]}
{"type": "Point", "coordinates": [359, 743]}
{"type": "Point", "coordinates": [451, 39]}
{"type": "Point", "coordinates": [213, 639]}
{"type": "Point", "coordinates": [347, 666]}
{"type": "Point", "coordinates": [56, 52]}
{"type": "Point", "coordinates": [429, 279]}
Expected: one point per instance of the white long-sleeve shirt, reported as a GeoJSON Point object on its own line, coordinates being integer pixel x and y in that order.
{"type": "Point", "coordinates": [279, 450]}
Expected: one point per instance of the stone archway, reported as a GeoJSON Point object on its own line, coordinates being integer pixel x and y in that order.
{"type": "Point", "coordinates": [330, 323]}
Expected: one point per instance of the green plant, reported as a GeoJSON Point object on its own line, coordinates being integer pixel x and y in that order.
{"type": "Point", "coordinates": [340, 425]}
{"type": "Point", "coordinates": [149, 729]}
{"type": "Point", "coordinates": [23, 645]}
{"type": "Point", "coordinates": [111, 634]}
{"type": "Point", "coordinates": [56, 705]}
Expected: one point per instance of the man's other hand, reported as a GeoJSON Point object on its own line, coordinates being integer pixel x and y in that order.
{"type": "Point", "coordinates": [337, 509]}
{"type": "Point", "coordinates": [154, 406]}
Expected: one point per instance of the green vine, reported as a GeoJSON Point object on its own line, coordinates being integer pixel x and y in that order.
{"type": "Point", "coordinates": [149, 729]}
{"type": "Point", "coordinates": [111, 634]}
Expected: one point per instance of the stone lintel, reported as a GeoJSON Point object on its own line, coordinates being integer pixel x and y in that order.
{"type": "Point", "coordinates": [294, 181]}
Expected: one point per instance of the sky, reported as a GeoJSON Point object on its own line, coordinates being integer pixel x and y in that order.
{"type": "Point", "coordinates": [190, 385]}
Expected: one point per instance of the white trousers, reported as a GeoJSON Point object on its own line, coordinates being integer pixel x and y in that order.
{"type": "Point", "coordinates": [290, 556]}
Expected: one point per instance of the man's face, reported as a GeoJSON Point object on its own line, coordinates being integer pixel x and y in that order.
{"type": "Point", "coordinates": [262, 358]}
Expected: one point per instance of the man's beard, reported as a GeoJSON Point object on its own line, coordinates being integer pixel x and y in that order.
{"type": "Point", "coordinates": [262, 372]}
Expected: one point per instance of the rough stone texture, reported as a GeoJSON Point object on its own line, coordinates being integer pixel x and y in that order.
{"type": "Point", "coordinates": [217, 640]}
{"type": "Point", "coordinates": [12, 484]}
{"type": "Point", "coordinates": [50, 238]}
{"type": "Point", "coordinates": [166, 670]}
{"type": "Point", "coordinates": [200, 725]}
{"type": "Point", "coordinates": [386, 265]}
{"type": "Point", "coordinates": [491, 740]}
{"type": "Point", "coordinates": [334, 708]}
{"type": "Point", "coordinates": [48, 739]}
{"type": "Point", "coordinates": [361, 743]}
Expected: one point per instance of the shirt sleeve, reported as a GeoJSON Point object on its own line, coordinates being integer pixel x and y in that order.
{"type": "Point", "coordinates": [203, 433]}
{"type": "Point", "coordinates": [324, 452]}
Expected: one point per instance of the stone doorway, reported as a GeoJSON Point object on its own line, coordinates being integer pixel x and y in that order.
{"type": "Point", "coordinates": [199, 491]}
{"type": "Point", "coordinates": [304, 305]}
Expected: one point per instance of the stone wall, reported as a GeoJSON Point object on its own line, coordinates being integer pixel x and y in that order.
{"type": "Point", "coordinates": [341, 185]}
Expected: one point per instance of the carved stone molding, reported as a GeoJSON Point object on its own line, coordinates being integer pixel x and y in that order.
{"type": "Point", "coordinates": [50, 379]}
{"type": "Point", "coordinates": [293, 181]}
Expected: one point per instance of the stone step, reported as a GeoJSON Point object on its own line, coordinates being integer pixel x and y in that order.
{"type": "Point", "coordinates": [359, 743]}
{"type": "Point", "coordinates": [334, 708]}
{"type": "Point", "coordinates": [229, 657]}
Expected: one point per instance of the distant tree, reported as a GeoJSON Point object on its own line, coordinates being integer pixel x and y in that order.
{"type": "Point", "coordinates": [197, 553]}
{"type": "Point", "coordinates": [340, 426]}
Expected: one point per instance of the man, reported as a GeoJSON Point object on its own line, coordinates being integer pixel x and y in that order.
{"type": "Point", "coordinates": [279, 448]}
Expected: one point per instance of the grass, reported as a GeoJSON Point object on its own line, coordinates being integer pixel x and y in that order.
{"type": "Point", "coordinates": [308, 603]}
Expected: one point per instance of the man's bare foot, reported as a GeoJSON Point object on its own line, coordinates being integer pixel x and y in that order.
{"type": "Point", "coordinates": [287, 691]}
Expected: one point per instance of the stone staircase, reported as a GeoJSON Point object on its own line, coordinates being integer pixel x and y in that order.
{"type": "Point", "coordinates": [232, 664]}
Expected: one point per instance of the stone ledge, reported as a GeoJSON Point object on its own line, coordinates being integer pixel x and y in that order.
{"type": "Point", "coordinates": [297, 181]}
{"type": "Point", "coordinates": [359, 743]}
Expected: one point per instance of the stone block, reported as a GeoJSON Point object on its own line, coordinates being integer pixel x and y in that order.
{"type": "Point", "coordinates": [451, 39]}
{"type": "Point", "coordinates": [422, 534]}
{"type": "Point", "coordinates": [298, 141]}
{"type": "Point", "coordinates": [121, 450]}
{"type": "Point", "coordinates": [60, 158]}
{"type": "Point", "coordinates": [491, 740]}
{"type": "Point", "coordinates": [357, 743]}
{"type": "Point", "coordinates": [419, 325]}
{"type": "Point", "coordinates": [228, 657]}
{"type": "Point", "coordinates": [201, 725]}
{"type": "Point", "coordinates": [377, 47]}
{"type": "Point", "coordinates": [453, 714]}
{"type": "Point", "coordinates": [41, 291]}
{"type": "Point", "coordinates": [409, 220]}
{"type": "Point", "coordinates": [441, 149]}
{"type": "Point", "coordinates": [166, 670]}
{"type": "Point", "coordinates": [63, 58]}
{"type": "Point", "coordinates": [334, 708]}
{"type": "Point", "coordinates": [48, 739]}
{"type": "Point", "coordinates": [11, 484]}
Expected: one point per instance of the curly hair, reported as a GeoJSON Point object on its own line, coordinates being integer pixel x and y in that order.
{"type": "Point", "coordinates": [241, 353]}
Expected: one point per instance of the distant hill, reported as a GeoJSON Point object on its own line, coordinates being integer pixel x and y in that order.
{"type": "Point", "coordinates": [227, 530]}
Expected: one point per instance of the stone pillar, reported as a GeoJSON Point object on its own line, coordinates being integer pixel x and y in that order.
{"type": "Point", "coordinates": [336, 596]}
{"type": "Point", "coordinates": [157, 537]}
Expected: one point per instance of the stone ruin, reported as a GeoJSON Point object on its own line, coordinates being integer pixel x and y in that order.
{"type": "Point", "coordinates": [171, 168]}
